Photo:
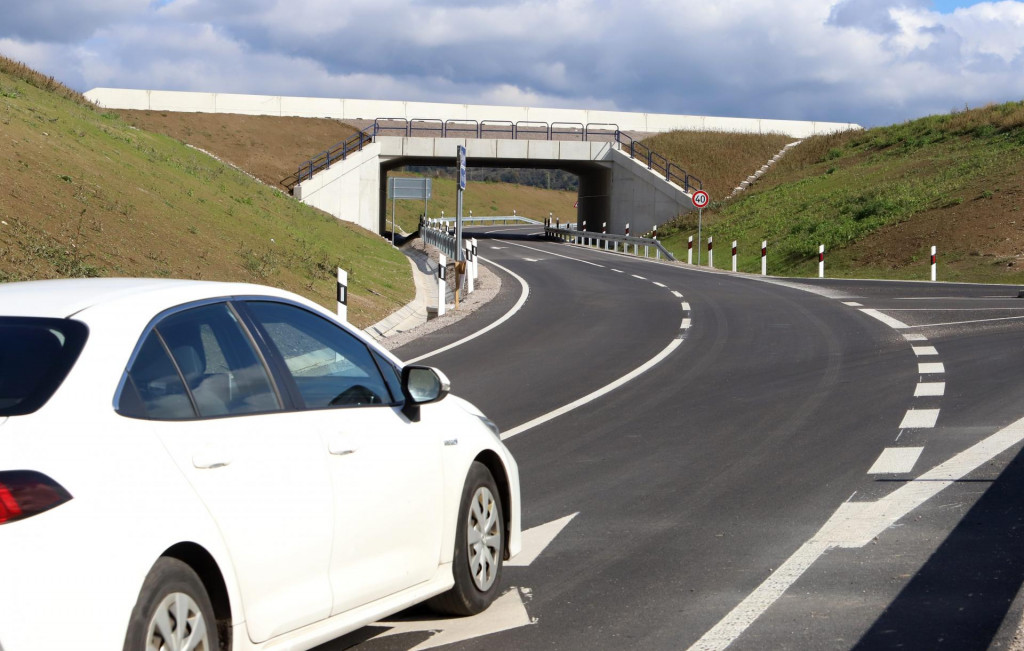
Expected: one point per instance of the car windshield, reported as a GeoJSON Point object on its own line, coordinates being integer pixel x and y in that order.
{"type": "Point", "coordinates": [35, 357]}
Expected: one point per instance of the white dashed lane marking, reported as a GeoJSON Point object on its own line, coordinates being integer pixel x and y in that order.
{"type": "Point", "coordinates": [930, 367]}
{"type": "Point", "coordinates": [929, 389]}
{"type": "Point", "coordinates": [896, 461]}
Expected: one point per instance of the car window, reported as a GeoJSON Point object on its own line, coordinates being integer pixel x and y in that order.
{"type": "Point", "coordinates": [216, 368]}
{"type": "Point", "coordinates": [36, 355]}
{"type": "Point", "coordinates": [153, 388]}
{"type": "Point", "coordinates": [330, 367]}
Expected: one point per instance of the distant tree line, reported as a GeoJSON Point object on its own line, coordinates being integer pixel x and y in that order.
{"type": "Point", "coordinates": [546, 179]}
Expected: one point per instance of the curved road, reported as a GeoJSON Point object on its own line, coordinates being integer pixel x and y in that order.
{"type": "Point", "coordinates": [756, 487]}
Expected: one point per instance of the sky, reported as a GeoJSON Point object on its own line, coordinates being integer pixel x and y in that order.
{"type": "Point", "coordinates": [870, 62]}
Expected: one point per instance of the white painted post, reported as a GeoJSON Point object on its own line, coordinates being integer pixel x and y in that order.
{"type": "Point", "coordinates": [764, 257]}
{"type": "Point", "coordinates": [711, 253]}
{"type": "Point", "coordinates": [442, 285]}
{"type": "Point", "coordinates": [476, 263]}
{"type": "Point", "coordinates": [734, 255]}
{"type": "Point", "coordinates": [469, 268]}
{"type": "Point", "coordinates": [821, 261]}
{"type": "Point", "coordinates": [586, 238]}
{"type": "Point", "coordinates": [342, 295]}
{"type": "Point", "coordinates": [604, 230]}
{"type": "Point", "coordinates": [689, 250]}
{"type": "Point", "coordinates": [933, 264]}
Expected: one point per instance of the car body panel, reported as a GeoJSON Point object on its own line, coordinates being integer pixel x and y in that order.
{"type": "Point", "coordinates": [137, 491]}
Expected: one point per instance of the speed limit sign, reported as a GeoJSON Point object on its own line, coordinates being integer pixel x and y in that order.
{"type": "Point", "coordinates": [700, 199]}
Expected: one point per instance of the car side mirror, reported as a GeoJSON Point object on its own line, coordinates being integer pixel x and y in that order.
{"type": "Point", "coordinates": [422, 385]}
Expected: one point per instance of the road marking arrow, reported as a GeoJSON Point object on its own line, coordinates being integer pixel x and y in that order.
{"type": "Point", "coordinates": [507, 612]}
{"type": "Point", "coordinates": [537, 539]}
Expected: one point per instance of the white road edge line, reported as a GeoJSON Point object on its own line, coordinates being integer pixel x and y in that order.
{"type": "Point", "coordinates": [508, 315]}
{"type": "Point", "coordinates": [854, 525]}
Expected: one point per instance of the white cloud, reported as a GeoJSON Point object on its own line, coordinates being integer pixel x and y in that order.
{"type": "Point", "coordinates": [867, 61]}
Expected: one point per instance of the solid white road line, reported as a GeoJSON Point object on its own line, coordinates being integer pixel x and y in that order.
{"type": "Point", "coordinates": [930, 367]}
{"type": "Point", "coordinates": [854, 525]}
{"type": "Point", "coordinates": [929, 389]}
{"type": "Point", "coordinates": [953, 323]}
{"type": "Point", "coordinates": [505, 317]}
{"type": "Point", "coordinates": [894, 461]}
{"type": "Point", "coordinates": [919, 418]}
{"type": "Point", "coordinates": [590, 397]}
{"type": "Point", "coordinates": [557, 255]}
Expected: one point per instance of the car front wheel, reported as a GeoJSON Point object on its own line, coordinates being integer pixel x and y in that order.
{"type": "Point", "coordinates": [173, 612]}
{"type": "Point", "coordinates": [479, 547]}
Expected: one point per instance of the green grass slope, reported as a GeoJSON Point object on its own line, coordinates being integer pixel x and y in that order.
{"type": "Point", "coordinates": [86, 194]}
{"type": "Point", "coordinates": [879, 199]}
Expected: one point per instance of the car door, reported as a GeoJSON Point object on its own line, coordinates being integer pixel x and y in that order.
{"type": "Point", "coordinates": [264, 478]}
{"type": "Point", "coordinates": [386, 471]}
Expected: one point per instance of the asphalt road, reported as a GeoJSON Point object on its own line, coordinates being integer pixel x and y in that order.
{"type": "Point", "coordinates": [703, 486]}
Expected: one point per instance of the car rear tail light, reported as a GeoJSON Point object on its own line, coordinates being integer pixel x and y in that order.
{"type": "Point", "coordinates": [24, 493]}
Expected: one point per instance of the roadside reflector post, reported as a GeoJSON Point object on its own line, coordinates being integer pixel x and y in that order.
{"type": "Point", "coordinates": [689, 250]}
{"type": "Point", "coordinates": [604, 231]}
{"type": "Point", "coordinates": [442, 284]}
{"type": "Point", "coordinates": [764, 257]}
{"type": "Point", "coordinates": [476, 263]}
{"type": "Point", "coordinates": [625, 245]}
{"type": "Point", "coordinates": [821, 261]}
{"type": "Point", "coordinates": [469, 268]}
{"type": "Point", "coordinates": [734, 255]}
{"type": "Point", "coordinates": [342, 295]}
{"type": "Point", "coordinates": [586, 238]}
{"type": "Point", "coordinates": [933, 264]}
{"type": "Point", "coordinates": [711, 253]}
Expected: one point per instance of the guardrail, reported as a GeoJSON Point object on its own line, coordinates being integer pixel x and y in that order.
{"type": "Point", "coordinates": [447, 221]}
{"type": "Point", "coordinates": [610, 241]}
{"type": "Point", "coordinates": [324, 159]}
{"type": "Point", "coordinates": [437, 235]}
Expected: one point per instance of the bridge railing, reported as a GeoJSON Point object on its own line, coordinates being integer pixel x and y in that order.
{"type": "Point", "coordinates": [641, 246]}
{"type": "Point", "coordinates": [524, 130]}
{"type": "Point", "coordinates": [499, 219]}
{"type": "Point", "coordinates": [324, 159]}
{"type": "Point", "coordinates": [655, 161]}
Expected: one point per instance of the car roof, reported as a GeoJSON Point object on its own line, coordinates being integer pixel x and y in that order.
{"type": "Point", "coordinates": [64, 298]}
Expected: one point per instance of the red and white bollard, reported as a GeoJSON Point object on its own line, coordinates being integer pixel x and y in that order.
{"type": "Point", "coordinates": [821, 261]}
{"type": "Point", "coordinates": [764, 257]}
{"type": "Point", "coordinates": [689, 250]}
{"type": "Point", "coordinates": [933, 264]}
{"type": "Point", "coordinates": [734, 255]}
{"type": "Point", "coordinates": [710, 253]}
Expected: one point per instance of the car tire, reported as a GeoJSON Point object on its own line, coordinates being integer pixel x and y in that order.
{"type": "Point", "coordinates": [173, 611]}
{"type": "Point", "coordinates": [479, 547]}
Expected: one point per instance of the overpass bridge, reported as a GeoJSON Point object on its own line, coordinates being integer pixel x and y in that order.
{"type": "Point", "coordinates": [620, 180]}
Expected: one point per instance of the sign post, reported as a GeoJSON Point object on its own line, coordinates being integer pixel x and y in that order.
{"type": "Point", "coordinates": [700, 199]}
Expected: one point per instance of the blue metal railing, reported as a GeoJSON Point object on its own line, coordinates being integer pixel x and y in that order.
{"type": "Point", "coordinates": [524, 130]}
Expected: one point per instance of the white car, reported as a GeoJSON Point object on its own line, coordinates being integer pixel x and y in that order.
{"type": "Point", "coordinates": [194, 465]}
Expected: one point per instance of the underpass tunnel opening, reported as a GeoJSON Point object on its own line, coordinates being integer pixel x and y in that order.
{"type": "Point", "coordinates": [587, 187]}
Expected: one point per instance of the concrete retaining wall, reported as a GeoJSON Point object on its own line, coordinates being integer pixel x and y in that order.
{"type": "Point", "coordinates": [349, 190]}
{"type": "Point", "coordinates": [355, 109]}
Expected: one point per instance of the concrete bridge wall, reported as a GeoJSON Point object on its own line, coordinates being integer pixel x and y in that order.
{"type": "Point", "coordinates": [365, 109]}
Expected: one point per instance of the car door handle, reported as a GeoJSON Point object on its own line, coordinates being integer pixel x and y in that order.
{"type": "Point", "coordinates": [341, 448]}
{"type": "Point", "coordinates": [210, 459]}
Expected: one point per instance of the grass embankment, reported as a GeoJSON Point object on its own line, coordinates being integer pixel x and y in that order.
{"type": "Point", "coordinates": [484, 199]}
{"type": "Point", "coordinates": [720, 160]}
{"type": "Point", "coordinates": [86, 194]}
{"type": "Point", "coordinates": [879, 199]}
